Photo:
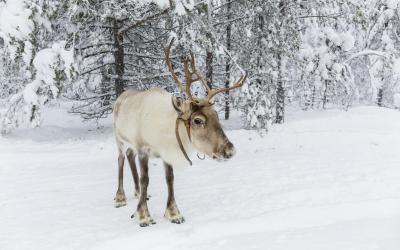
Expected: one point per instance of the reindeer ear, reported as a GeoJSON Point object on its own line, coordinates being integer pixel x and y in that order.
{"type": "Point", "coordinates": [177, 103]}
{"type": "Point", "coordinates": [184, 107]}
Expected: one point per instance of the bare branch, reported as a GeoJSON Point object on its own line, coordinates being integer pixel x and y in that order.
{"type": "Point", "coordinates": [94, 69]}
{"type": "Point", "coordinates": [145, 19]}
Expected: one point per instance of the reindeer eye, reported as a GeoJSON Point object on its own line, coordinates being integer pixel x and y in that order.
{"type": "Point", "coordinates": [198, 121]}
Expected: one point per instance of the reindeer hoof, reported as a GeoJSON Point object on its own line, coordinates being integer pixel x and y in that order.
{"type": "Point", "coordinates": [147, 222]}
{"type": "Point", "coordinates": [177, 218]}
{"type": "Point", "coordinates": [143, 218]}
{"type": "Point", "coordinates": [120, 203]}
{"type": "Point", "coordinates": [178, 221]}
{"type": "Point", "coordinates": [120, 200]}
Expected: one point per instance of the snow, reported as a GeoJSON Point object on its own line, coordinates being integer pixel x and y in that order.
{"type": "Point", "coordinates": [396, 67]}
{"type": "Point", "coordinates": [160, 3]}
{"type": "Point", "coordinates": [46, 62]}
{"type": "Point", "coordinates": [396, 101]}
{"type": "Point", "coordinates": [30, 92]}
{"type": "Point", "coordinates": [346, 39]}
{"type": "Point", "coordinates": [322, 180]}
{"type": "Point", "coordinates": [14, 20]}
{"type": "Point", "coordinates": [180, 5]}
{"type": "Point", "coordinates": [367, 52]}
{"type": "Point", "coordinates": [47, 59]}
{"type": "Point", "coordinates": [392, 4]}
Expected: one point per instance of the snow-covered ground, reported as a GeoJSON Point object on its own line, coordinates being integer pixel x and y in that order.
{"type": "Point", "coordinates": [323, 180]}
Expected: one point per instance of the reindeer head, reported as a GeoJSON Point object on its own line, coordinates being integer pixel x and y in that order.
{"type": "Point", "coordinates": [200, 118]}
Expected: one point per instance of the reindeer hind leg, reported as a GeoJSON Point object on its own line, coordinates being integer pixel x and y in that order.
{"type": "Point", "coordinates": [120, 198]}
{"type": "Point", "coordinates": [131, 159]}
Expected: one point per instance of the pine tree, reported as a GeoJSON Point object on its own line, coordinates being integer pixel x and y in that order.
{"type": "Point", "coordinates": [120, 45]}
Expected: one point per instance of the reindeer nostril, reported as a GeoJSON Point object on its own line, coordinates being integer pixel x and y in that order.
{"type": "Point", "coordinates": [229, 150]}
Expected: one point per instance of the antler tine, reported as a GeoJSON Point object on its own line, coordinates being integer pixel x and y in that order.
{"type": "Point", "coordinates": [188, 79]}
{"type": "Point", "coordinates": [199, 76]}
{"type": "Point", "coordinates": [238, 84]}
{"type": "Point", "coordinates": [167, 52]}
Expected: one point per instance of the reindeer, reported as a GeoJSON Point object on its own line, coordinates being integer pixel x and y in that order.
{"type": "Point", "coordinates": [153, 123]}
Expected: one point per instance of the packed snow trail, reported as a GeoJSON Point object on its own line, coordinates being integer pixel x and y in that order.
{"type": "Point", "coordinates": [322, 180]}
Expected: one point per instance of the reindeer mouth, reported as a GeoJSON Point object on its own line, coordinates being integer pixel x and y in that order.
{"type": "Point", "coordinates": [225, 154]}
{"type": "Point", "coordinates": [219, 157]}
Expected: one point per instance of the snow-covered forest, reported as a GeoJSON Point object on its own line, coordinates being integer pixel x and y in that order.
{"type": "Point", "coordinates": [309, 54]}
{"type": "Point", "coordinates": [316, 125]}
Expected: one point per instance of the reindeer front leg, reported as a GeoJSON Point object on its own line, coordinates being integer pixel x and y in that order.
{"type": "Point", "coordinates": [172, 212]}
{"type": "Point", "coordinates": [142, 212]}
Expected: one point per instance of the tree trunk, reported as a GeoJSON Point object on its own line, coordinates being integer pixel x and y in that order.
{"type": "Point", "coordinates": [259, 41]}
{"type": "Point", "coordinates": [119, 58]}
{"type": "Point", "coordinates": [209, 68]}
{"type": "Point", "coordinates": [325, 97]}
{"type": "Point", "coordinates": [313, 97]}
{"type": "Point", "coordinates": [209, 47]}
{"type": "Point", "coordinates": [228, 63]}
{"type": "Point", "coordinates": [380, 97]}
{"type": "Point", "coordinates": [105, 81]}
{"type": "Point", "coordinates": [280, 93]}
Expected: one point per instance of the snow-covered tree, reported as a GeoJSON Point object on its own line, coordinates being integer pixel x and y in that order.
{"type": "Point", "coordinates": [311, 54]}
{"type": "Point", "coordinates": [37, 65]}
{"type": "Point", "coordinates": [377, 33]}
{"type": "Point", "coordinates": [325, 76]}
{"type": "Point", "coordinates": [272, 41]}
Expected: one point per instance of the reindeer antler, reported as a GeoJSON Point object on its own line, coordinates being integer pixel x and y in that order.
{"type": "Point", "coordinates": [200, 77]}
{"type": "Point", "coordinates": [189, 67]}
{"type": "Point", "coordinates": [188, 74]}
{"type": "Point", "coordinates": [238, 84]}
{"type": "Point", "coordinates": [167, 52]}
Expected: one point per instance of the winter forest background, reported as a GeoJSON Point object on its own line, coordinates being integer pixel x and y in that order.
{"type": "Point", "coordinates": [326, 176]}
{"type": "Point", "coordinates": [311, 54]}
